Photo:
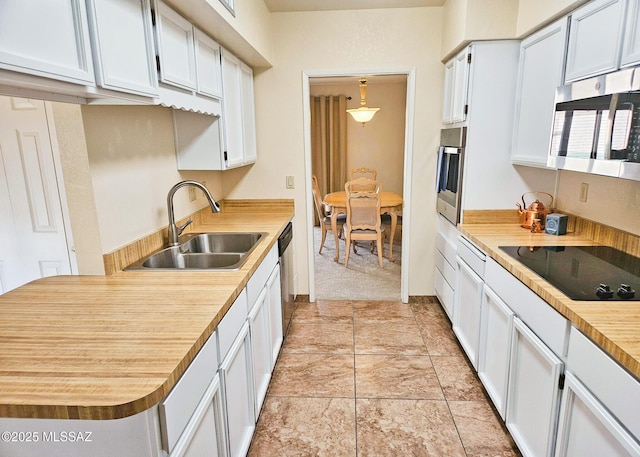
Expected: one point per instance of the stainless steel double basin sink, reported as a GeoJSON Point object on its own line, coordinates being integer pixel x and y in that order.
{"type": "Point", "coordinates": [216, 251]}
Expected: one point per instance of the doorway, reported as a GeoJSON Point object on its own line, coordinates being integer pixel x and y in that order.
{"type": "Point", "coordinates": [33, 227]}
{"type": "Point", "coordinates": [393, 172]}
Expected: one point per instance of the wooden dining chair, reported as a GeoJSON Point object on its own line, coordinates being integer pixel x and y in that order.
{"type": "Point", "coordinates": [362, 173]}
{"type": "Point", "coordinates": [325, 219]}
{"type": "Point", "coordinates": [363, 185]}
{"type": "Point", "coordinates": [363, 218]}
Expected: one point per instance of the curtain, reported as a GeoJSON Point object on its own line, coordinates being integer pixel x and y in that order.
{"type": "Point", "coordinates": [329, 141]}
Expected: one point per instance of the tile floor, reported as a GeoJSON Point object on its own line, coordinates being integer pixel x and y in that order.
{"type": "Point", "coordinates": [376, 378]}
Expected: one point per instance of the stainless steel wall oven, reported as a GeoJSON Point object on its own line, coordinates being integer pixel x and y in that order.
{"type": "Point", "coordinates": [450, 166]}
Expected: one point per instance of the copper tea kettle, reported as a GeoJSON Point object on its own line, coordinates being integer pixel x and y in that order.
{"type": "Point", "coordinates": [533, 216]}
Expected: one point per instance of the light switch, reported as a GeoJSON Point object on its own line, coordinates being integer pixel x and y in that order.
{"type": "Point", "coordinates": [290, 182]}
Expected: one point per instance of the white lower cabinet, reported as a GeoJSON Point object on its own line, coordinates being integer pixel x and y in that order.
{"type": "Point", "coordinates": [587, 428]}
{"type": "Point", "coordinates": [599, 413]}
{"type": "Point", "coordinates": [259, 325]}
{"type": "Point", "coordinates": [496, 327]}
{"type": "Point", "coordinates": [445, 260]}
{"type": "Point", "coordinates": [204, 435]}
{"type": "Point", "coordinates": [534, 393]}
{"type": "Point", "coordinates": [275, 315]}
{"type": "Point", "coordinates": [466, 315]}
{"type": "Point", "coordinates": [237, 392]}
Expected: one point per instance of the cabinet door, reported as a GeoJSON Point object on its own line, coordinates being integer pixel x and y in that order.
{"type": "Point", "coordinates": [496, 327]}
{"type": "Point", "coordinates": [204, 435]}
{"type": "Point", "coordinates": [586, 427]}
{"type": "Point", "coordinates": [539, 73]}
{"type": "Point", "coordinates": [259, 326]}
{"type": "Point", "coordinates": [176, 48]}
{"type": "Point", "coordinates": [232, 109]}
{"type": "Point", "coordinates": [49, 39]}
{"type": "Point", "coordinates": [123, 45]}
{"type": "Point", "coordinates": [533, 399]}
{"type": "Point", "coordinates": [208, 66]}
{"type": "Point", "coordinates": [460, 86]}
{"type": "Point", "coordinates": [275, 314]}
{"type": "Point", "coordinates": [466, 313]}
{"type": "Point", "coordinates": [237, 388]}
{"type": "Point", "coordinates": [595, 38]}
{"type": "Point", "coordinates": [631, 41]}
{"type": "Point", "coordinates": [448, 92]}
{"type": "Point", "coordinates": [248, 114]}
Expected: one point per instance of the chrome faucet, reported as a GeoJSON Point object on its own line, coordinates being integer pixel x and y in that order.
{"type": "Point", "coordinates": [174, 230]}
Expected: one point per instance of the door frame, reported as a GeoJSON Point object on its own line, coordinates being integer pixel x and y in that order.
{"type": "Point", "coordinates": [408, 165]}
{"type": "Point", "coordinates": [62, 194]}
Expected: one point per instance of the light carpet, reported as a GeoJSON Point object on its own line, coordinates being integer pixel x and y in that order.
{"type": "Point", "coordinates": [363, 279]}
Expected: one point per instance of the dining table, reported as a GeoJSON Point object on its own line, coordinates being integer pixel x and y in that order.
{"type": "Point", "coordinates": [390, 203]}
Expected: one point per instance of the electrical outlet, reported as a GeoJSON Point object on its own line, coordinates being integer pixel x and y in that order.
{"type": "Point", "coordinates": [584, 191]}
{"type": "Point", "coordinates": [290, 182]}
{"type": "Point", "coordinates": [192, 194]}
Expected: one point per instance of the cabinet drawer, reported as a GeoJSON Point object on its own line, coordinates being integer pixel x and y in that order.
{"type": "Point", "coordinates": [178, 407]}
{"type": "Point", "coordinates": [444, 292]}
{"type": "Point", "coordinates": [259, 278]}
{"type": "Point", "coordinates": [548, 324]}
{"type": "Point", "coordinates": [607, 380]}
{"type": "Point", "coordinates": [446, 248]}
{"type": "Point", "coordinates": [472, 256]}
{"type": "Point", "coordinates": [445, 269]}
{"type": "Point", "coordinates": [231, 323]}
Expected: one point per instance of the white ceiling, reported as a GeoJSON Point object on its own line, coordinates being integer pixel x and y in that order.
{"type": "Point", "coordinates": [278, 6]}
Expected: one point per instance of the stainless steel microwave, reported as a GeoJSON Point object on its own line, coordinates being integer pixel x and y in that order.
{"type": "Point", "coordinates": [449, 169]}
{"type": "Point", "coordinates": [596, 125]}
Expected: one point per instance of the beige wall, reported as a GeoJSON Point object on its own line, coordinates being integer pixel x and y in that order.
{"type": "Point", "coordinates": [469, 20]}
{"type": "Point", "coordinates": [132, 160]}
{"type": "Point", "coordinates": [346, 41]}
{"type": "Point", "coordinates": [611, 201]}
{"type": "Point", "coordinates": [380, 143]}
{"type": "Point", "coordinates": [78, 188]}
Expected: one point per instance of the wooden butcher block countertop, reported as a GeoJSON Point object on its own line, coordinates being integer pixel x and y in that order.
{"type": "Point", "coordinates": [613, 325]}
{"type": "Point", "coordinates": [106, 347]}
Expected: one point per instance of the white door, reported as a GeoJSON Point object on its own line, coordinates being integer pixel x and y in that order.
{"type": "Point", "coordinates": [275, 314]}
{"type": "Point", "coordinates": [237, 389]}
{"type": "Point", "coordinates": [33, 237]}
{"type": "Point", "coordinates": [466, 311]}
{"type": "Point", "coordinates": [588, 429]}
{"type": "Point", "coordinates": [261, 349]}
{"type": "Point", "coordinates": [533, 393]}
{"type": "Point", "coordinates": [495, 345]}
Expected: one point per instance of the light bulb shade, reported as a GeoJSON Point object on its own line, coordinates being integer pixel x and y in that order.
{"type": "Point", "coordinates": [363, 114]}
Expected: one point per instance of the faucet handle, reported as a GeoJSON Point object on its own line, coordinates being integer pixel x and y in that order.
{"type": "Point", "coordinates": [181, 228]}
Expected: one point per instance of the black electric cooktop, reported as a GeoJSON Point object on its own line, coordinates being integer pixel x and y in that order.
{"type": "Point", "coordinates": [583, 272]}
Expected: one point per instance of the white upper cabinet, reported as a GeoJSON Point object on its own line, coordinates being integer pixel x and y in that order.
{"type": "Point", "coordinates": [248, 114]}
{"type": "Point", "coordinates": [238, 112]}
{"type": "Point", "coordinates": [456, 85]}
{"type": "Point", "coordinates": [189, 59]}
{"type": "Point", "coordinates": [595, 39]}
{"type": "Point", "coordinates": [49, 39]}
{"type": "Point", "coordinates": [539, 73]}
{"type": "Point", "coordinates": [123, 46]}
{"type": "Point", "coordinates": [631, 43]}
{"type": "Point", "coordinates": [176, 48]}
{"type": "Point", "coordinates": [208, 65]}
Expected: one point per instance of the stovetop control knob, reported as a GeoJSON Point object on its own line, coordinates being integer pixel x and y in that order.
{"type": "Point", "coordinates": [626, 292]}
{"type": "Point", "coordinates": [604, 291]}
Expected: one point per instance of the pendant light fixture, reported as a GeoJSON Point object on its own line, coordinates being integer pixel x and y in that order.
{"type": "Point", "coordinates": [363, 114]}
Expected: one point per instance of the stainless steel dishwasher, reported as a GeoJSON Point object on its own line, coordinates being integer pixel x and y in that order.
{"type": "Point", "coordinates": [285, 252]}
